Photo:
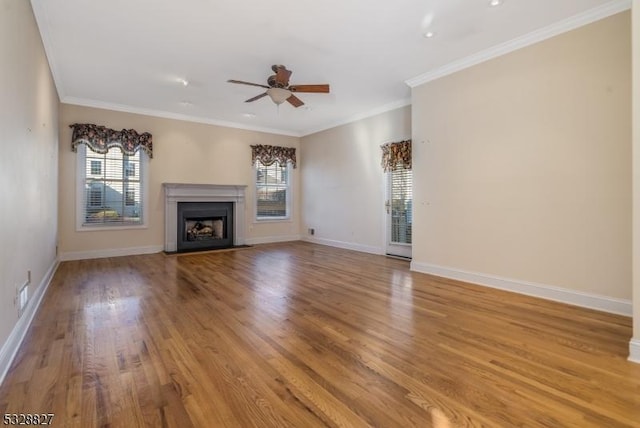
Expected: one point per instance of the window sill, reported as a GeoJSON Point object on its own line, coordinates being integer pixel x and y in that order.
{"type": "Point", "coordinates": [272, 220]}
{"type": "Point", "coordinates": [103, 228]}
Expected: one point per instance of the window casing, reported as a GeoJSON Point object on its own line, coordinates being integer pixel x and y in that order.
{"type": "Point", "coordinates": [111, 189]}
{"type": "Point", "coordinates": [273, 191]}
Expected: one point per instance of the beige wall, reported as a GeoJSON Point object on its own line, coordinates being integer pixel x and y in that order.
{"type": "Point", "coordinates": [183, 152]}
{"type": "Point", "coordinates": [343, 189]}
{"type": "Point", "coordinates": [522, 164]}
{"type": "Point", "coordinates": [636, 174]}
{"type": "Point", "coordinates": [28, 164]}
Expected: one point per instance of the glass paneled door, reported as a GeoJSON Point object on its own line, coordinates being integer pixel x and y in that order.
{"type": "Point", "coordinates": [399, 212]}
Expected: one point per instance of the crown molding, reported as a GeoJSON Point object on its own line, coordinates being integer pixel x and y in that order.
{"type": "Point", "coordinates": [394, 105]}
{"type": "Point", "coordinates": [576, 21]}
{"type": "Point", "coordinates": [176, 116]}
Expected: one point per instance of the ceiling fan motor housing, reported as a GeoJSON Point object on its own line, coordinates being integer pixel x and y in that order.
{"type": "Point", "coordinates": [272, 81]}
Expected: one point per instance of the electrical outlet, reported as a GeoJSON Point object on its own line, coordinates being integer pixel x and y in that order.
{"type": "Point", "coordinates": [312, 231]}
{"type": "Point", "coordinates": [22, 297]}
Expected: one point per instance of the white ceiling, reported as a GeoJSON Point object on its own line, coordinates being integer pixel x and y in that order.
{"type": "Point", "coordinates": [130, 55]}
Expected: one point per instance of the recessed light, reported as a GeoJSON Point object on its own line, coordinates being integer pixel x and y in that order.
{"type": "Point", "coordinates": [249, 115]}
{"type": "Point", "coordinates": [186, 103]}
{"type": "Point", "coordinates": [428, 34]}
{"type": "Point", "coordinates": [494, 3]}
{"type": "Point", "coordinates": [184, 82]}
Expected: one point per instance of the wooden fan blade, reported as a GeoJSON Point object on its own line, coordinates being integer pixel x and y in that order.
{"type": "Point", "coordinates": [282, 76]}
{"type": "Point", "coordinates": [242, 82]}
{"type": "Point", "coordinates": [257, 97]}
{"type": "Point", "coordinates": [295, 101]}
{"type": "Point", "coordinates": [324, 89]}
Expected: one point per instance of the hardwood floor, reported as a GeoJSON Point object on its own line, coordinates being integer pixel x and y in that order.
{"type": "Point", "coordinates": [303, 335]}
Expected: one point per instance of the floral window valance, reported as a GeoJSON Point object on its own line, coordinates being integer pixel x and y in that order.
{"type": "Point", "coordinates": [100, 139]}
{"type": "Point", "coordinates": [396, 155]}
{"type": "Point", "coordinates": [268, 155]}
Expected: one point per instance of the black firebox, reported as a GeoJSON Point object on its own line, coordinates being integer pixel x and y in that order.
{"type": "Point", "coordinates": [204, 226]}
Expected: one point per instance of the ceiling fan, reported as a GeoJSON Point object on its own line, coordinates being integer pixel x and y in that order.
{"type": "Point", "coordinates": [279, 89]}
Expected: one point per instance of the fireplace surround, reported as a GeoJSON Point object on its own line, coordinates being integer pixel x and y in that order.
{"type": "Point", "coordinates": [175, 193]}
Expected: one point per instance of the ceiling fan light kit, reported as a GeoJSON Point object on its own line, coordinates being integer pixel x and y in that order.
{"type": "Point", "coordinates": [279, 90]}
{"type": "Point", "coordinates": [278, 95]}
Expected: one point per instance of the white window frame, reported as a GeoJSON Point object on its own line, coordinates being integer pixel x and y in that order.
{"type": "Point", "coordinates": [289, 196]}
{"type": "Point", "coordinates": [81, 170]}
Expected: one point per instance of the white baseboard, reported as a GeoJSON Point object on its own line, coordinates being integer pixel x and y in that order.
{"type": "Point", "coordinates": [271, 239]}
{"type": "Point", "coordinates": [10, 348]}
{"type": "Point", "coordinates": [346, 245]}
{"type": "Point", "coordinates": [549, 292]}
{"type": "Point", "coordinates": [112, 252]}
{"type": "Point", "coordinates": [634, 351]}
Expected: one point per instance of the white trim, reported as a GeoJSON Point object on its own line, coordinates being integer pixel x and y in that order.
{"type": "Point", "coordinates": [176, 116]}
{"type": "Point", "coordinates": [549, 292]}
{"type": "Point", "coordinates": [110, 252]}
{"type": "Point", "coordinates": [571, 23]}
{"type": "Point", "coordinates": [12, 345]}
{"type": "Point", "coordinates": [394, 105]}
{"type": "Point", "coordinates": [346, 245]}
{"type": "Point", "coordinates": [634, 351]}
{"type": "Point", "coordinates": [273, 220]}
{"type": "Point", "coordinates": [272, 239]}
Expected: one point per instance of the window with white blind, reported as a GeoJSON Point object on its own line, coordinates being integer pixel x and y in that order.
{"type": "Point", "coordinates": [111, 188]}
{"type": "Point", "coordinates": [273, 191]}
{"type": "Point", "coordinates": [401, 199]}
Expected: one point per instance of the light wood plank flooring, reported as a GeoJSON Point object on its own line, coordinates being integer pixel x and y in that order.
{"type": "Point", "coordinates": [301, 335]}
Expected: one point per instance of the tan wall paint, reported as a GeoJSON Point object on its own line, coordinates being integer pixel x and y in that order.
{"type": "Point", "coordinates": [636, 168]}
{"type": "Point", "coordinates": [522, 164]}
{"type": "Point", "coordinates": [184, 152]}
{"type": "Point", "coordinates": [343, 189]}
{"type": "Point", "coordinates": [29, 163]}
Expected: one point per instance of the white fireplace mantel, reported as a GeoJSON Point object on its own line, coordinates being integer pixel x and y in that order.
{"type": "Point", "coordinates": [185, 192]}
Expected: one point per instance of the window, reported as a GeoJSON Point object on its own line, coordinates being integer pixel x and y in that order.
{"type": "Point", "coordinates": [110, 188]}
{"type": "Point", "coordinates": [130, 197]}
{"type": "Point", "coordinates": [96, 167]}
{"type": "Point", "coordinates": [130, 169]}
{"type": "Point", "coordinates": [95, 196]}
{"type": "Point", "coordinates": [401, 196]}
{"type": "Point", "coordinates": [273, 196]}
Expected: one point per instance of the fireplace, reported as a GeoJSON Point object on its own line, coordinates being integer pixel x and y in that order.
{"type": "Point", "coordinates": [204, 225]}
{"type": "Point", "coordinates": [203, 216]}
